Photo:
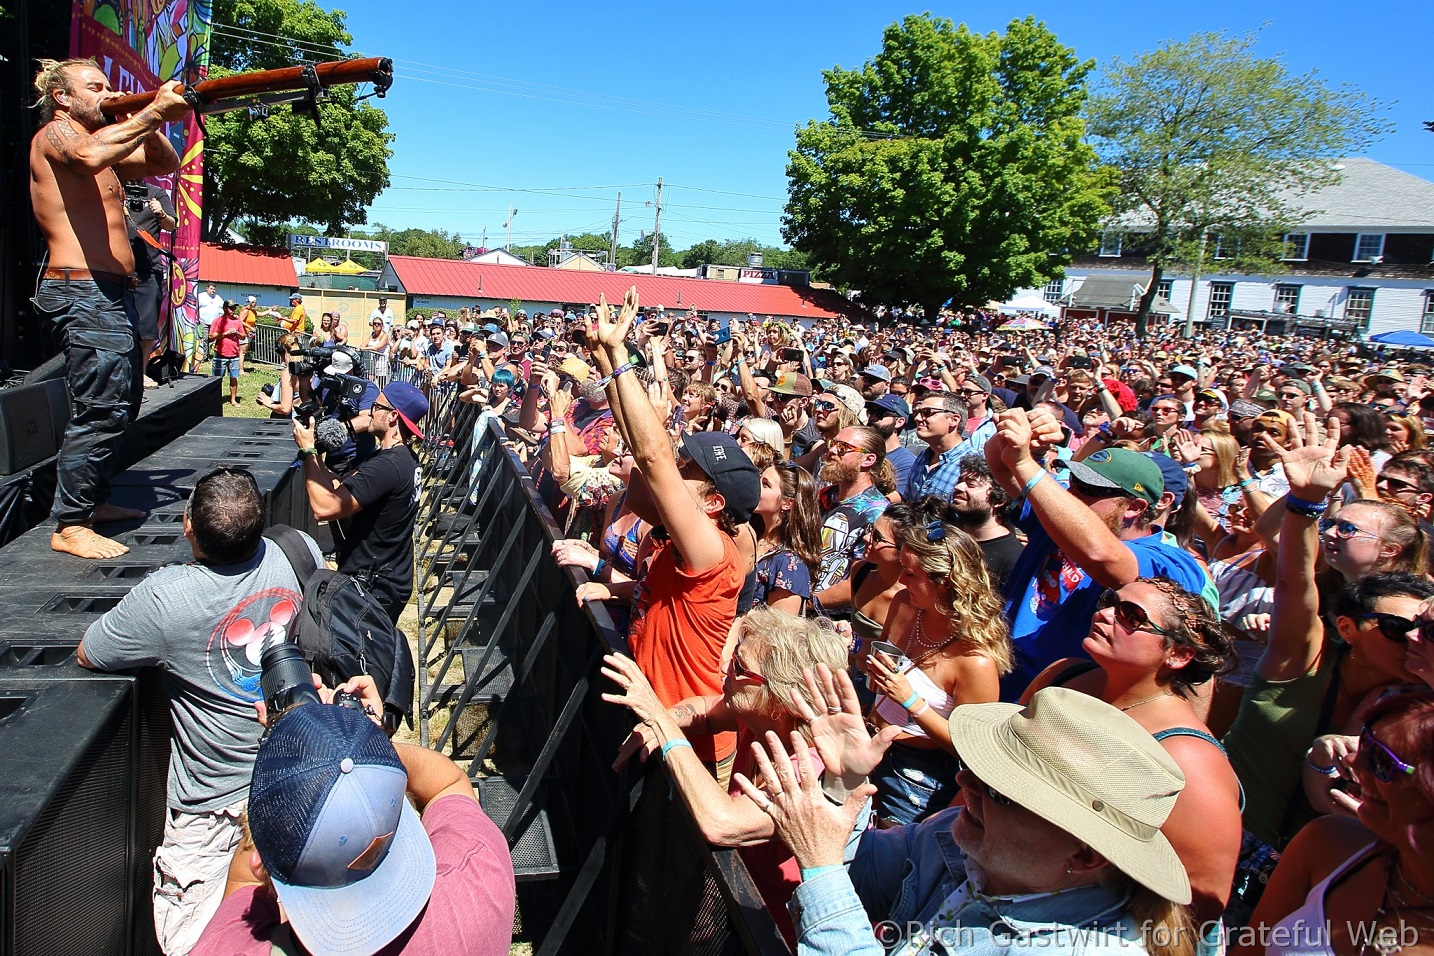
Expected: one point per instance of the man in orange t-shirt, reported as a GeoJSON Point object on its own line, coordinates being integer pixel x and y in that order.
{"type": "Point", "coordinates": [295, 322]}
{"type": "Point", "coordinates": [686, 596]}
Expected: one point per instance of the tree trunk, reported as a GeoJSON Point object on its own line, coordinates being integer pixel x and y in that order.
{"type": "Point", "coordinates": [1142, 312]}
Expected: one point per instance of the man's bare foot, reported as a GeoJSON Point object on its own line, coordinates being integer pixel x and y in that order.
{"type": "Point", "coordinates": [109, 512]}
{"type": "Point", "coordinates": [82, 541]}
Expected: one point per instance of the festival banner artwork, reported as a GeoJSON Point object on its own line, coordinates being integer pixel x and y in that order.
{"type": "Point", "coordinates": [140, 44]}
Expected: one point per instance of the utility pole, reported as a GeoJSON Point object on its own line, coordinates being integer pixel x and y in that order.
{"type": "Point", "coordinates": [657, 226]}
{"type": "Point", "coordinates": [509, 226]}
{"type": "Point", "coordinates": [617, 214]}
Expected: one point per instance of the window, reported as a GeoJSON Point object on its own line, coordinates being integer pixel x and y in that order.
{"type": "Point", "coordinates": [1358, 304]}
{"type": "Point", "coordinates": [1220, 295]}
{"type": "Point", "coordinates": [1287, 299]}
{"type": "Point", "coordinates": [1369, 246]}
{"type": "Point", "coordinates": [1110, 243]}
{"type": "Point", "coordinates": [1162, 288]}
{"type": "Point", "coordinates": [1054, 290]}
{"type": "Point", "coordinates": [1426, 322]}
{"type": "Point", "coordinates": [1225, 248]}
{"type": "Point", "coordinates": [1297, 246]}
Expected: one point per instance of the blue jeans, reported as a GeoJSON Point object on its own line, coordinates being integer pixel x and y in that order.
{"type": "Point", "coordinates": [912, 783]}
{"type": "Point", "coordinates": [226, 366]}
{"type": "Point", "coordinates": [94, 321]}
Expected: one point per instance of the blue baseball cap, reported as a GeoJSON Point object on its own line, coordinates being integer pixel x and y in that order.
{"type": "Point", "coordinates": [1176, 481]}
{"type": "Point", "coordinates": [347, 854]}
{"type": "Point", "coordinates": [888, 404]}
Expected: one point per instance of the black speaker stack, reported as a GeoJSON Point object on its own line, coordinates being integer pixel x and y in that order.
{"type": "Point", "coordinates": [84, 756]}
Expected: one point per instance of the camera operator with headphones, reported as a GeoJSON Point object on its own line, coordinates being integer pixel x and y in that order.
{"type": "Point", "coordinates": [375, 504]}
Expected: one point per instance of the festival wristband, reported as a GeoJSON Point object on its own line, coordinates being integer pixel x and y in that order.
{"type": "Point", "coordinates": [557, 429]}
{"type": "Point", "coordinates": [906, 704]}
{"type": "Point", "coordinates": [602, 563]}
{"type": "Point", "coordinates": [1305, 509]}
{"type": "Point", "coordinates": [674, 743]}
{"type": "Point", "coordinates": [1032, 483]}
{"type": "Point", "coordinates": [1246, 484]}
{"type": "Point", "coordinates": [306, 452]}
{"type": "Point", "coordinates": [1322, 771]}
{"type": "Point", "coordinates": [811, 872]}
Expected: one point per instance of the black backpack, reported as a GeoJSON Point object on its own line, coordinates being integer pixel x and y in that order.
{"type": "Point", "coordinates": [343, 631]}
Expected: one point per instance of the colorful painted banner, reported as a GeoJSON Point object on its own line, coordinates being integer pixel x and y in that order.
{"type": "Point", "coordinates": [140, 44]}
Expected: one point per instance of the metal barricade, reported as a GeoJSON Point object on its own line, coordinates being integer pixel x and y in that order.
{"type": "Point", "coordinates": [375, 366]}
{"type": "Point", "coordinates": [264, 344]}
{"type": "Point", "coordinates": [509, 683]}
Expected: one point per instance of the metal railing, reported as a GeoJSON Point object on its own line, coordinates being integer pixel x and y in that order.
{"type": "Point", "coordinates": [509, 683]}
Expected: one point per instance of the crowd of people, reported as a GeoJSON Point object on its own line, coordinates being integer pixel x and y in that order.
{"type": "Point", "coordinates": [1109, 642]}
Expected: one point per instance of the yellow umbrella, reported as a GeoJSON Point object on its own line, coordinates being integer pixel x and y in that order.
{"type": "Point", "coordinates": [319, 266]}
{"type": "Point", "coordinates": [349, 268]}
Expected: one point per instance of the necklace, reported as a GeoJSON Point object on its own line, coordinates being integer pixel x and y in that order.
{"type": "Point", "coordinates": [1404, 880]}
{"type": "Point", "coordinates": [918, 634]}
{"type": "Point", "coordinates": [1164, 693]}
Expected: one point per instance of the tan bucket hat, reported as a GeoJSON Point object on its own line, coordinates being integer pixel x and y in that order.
{"type": "Point", "coordinates": [1081, 764]}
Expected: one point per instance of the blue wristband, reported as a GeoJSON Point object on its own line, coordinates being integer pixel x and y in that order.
{"type": "Point", "coordinates": [674, 743]}
{"type": "Point", "coordinates": [1032, 483]}
{"type": "Point", "coordinates": [602, 563]}
{"type": "Point", "coordinates": [813, 871]}
{"type": "Point", "coordinates": [906, 704]}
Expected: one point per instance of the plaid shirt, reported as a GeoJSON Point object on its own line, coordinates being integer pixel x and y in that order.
{"type": "Point", "coordinates": [940, 480]}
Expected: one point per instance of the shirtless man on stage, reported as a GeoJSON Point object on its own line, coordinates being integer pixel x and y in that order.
{"type": "Point", "coordinates": [77, 160]}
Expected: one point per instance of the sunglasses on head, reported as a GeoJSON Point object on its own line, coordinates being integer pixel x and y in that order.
{"type": "Point", "coordinates": [1131, 616]}
{"type": "Point", "coordinates": [935, 531]}
{"type": "Point", "coordinates": [1384, 763]}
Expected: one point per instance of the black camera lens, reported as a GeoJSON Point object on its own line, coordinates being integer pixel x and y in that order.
{"type": "Point", "coordinates": [284, 679]}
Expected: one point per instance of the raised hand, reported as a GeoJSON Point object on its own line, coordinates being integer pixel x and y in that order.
{"type": "Point", "coordinates": [611, 331]}
{"type": "Point", "coordinates": [814, 828]}
{"type": "Point", "coordinates": [1314, 463]}
{"type": "Point", "coordinates": [1187, 446]}
{"type": "Point", "coordinates": [840, 734]}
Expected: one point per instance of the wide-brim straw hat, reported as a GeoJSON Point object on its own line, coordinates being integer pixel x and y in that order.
{"type": "Point", "coordinates": [1085, 767]}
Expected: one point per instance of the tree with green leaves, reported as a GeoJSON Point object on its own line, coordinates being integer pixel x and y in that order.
{"type": "Point", "coordinates": [1214, 144]}
{"type": "Point", "coordinates": [953, 167]}
{"type": "Point", "coordinates": [271, 166]}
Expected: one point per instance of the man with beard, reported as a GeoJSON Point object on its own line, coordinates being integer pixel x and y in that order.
{"type": "Point", "coordinates": [77, 160]}
{"type": "Point", "coordinates": [977, 502]}
{"type": "Point", "coordinates": [1080, 542]}
{"type": "Point", "coordinates": [849, 507]}
{"type": "Point", "coordinates": [888, 415]}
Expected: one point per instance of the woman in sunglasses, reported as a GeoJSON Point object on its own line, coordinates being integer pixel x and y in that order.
{"type": "Point", "coordinates": [955, 645]}
{"type": "Point", "coordinates": [1366, 885]}
{"type": "Point", "coordinates": [1151, 645]}
{"type": "Point", "coordinates": [1312, 678]}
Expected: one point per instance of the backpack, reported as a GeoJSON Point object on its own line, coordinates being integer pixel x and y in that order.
{"type": "Point", "coordinates": [343, 631]}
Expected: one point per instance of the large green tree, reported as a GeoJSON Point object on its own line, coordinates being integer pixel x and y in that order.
{"type": "Point", "coordinates": [1214, 144]}
{"type": "Point", "coordinates": [274, 165]}
{"type": "Point", "coordinates": [953, 167]}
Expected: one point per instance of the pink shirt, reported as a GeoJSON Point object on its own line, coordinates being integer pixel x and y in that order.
{"type": "Point", "coordinates": [469, 914]}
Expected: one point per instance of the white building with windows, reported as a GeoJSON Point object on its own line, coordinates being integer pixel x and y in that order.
{"type": "Point", "coordinates": [1362, 262]}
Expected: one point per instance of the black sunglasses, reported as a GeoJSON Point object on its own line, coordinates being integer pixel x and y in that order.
{"type": "Point", "coordinates": [1131, 616]}
{"type": "Point", "coordinates": [1398, 629]}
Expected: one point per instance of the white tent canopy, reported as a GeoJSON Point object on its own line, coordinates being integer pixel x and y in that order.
{"type": "Point", "coordinates": [1030, 302]}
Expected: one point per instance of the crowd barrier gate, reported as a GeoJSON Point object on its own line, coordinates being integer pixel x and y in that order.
{"type": "Point", "coordinates": [508, 684]}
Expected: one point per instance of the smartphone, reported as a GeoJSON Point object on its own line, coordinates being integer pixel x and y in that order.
{"type": "Point", "coordinates": [791, 355]}
{"type": "Point", "coordinates": [1079, 361]}
{"type": "Point", "coordinates": [724, 332]}
{"type": "Point", "coordinates": [661, 328]}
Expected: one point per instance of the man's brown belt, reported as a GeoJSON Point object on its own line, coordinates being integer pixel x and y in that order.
{"type": "Point", "coordinates": [81, 275]}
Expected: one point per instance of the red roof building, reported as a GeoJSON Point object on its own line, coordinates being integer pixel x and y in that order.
{"type": "Point", "coordinates": [449, 283]}
{"type": "Point", "coordinates": [240, 266]}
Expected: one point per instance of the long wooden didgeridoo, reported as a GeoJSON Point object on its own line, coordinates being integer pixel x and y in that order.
{"type": "Point", "coordinates": [243, 90]}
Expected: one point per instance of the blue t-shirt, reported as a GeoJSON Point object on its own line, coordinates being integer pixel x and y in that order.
{"type": "Point", "coordinates": [783, 570]}
{"type": "Point", "coordinates": [1050, 601]}
{"type": "Point", "coordinates": [901, 460]}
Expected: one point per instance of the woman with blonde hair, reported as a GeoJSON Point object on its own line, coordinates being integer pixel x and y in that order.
{"type": "Point", "coordinates": [954, 645]}
{"type": "Point", "coordinates": [764, 691]}
{"type": "Point", "coordinates": [764, 431]}
{"type": "Point", "coordinates": [1406, 432]}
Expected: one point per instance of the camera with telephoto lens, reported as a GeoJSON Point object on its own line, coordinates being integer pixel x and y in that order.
{"type": "Point", "coordinates": [337, 392]}
{"type": "Point", "coordinates": [136, 197]}
{"type": "Point", "coordinates": [285, 682]}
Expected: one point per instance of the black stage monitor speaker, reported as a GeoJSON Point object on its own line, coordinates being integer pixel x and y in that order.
{"type": "Point", "coordinates": [32, 423]}
{"type": "Point", "coordinates": [67, 799]}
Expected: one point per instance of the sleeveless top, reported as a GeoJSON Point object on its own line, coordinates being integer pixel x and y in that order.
{"type": "Point", "coordinates": [892, 712]}
{"type": "Point", "coordinates": [621, 549]}
{"type": "Point", "coordinates": [864, 627]}
{"type": "Point", "coordinates": [1302, 933]}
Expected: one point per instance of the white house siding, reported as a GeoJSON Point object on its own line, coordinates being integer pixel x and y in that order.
{"type": "Point", "coordinates": [1398, 303]}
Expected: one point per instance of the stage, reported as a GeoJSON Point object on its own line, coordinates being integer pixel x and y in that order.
{"type": "Point", "coordinates": [166, 413]}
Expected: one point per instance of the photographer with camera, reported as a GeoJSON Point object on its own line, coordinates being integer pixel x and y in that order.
{"type": "Point", "coordinates": [339, 862]}
{"type": "Point", "coordinates": [148, 212]}
{"type": "Point", "coordinates": [204, 624]}
{"type": "Point", "coordinates": [375, 504]}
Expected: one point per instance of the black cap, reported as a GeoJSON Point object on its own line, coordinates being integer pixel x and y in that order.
{"type": "Point", "coordinates": [724, 462]}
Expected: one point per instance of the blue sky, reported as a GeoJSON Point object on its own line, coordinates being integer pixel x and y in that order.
{"type": "Point", "coordinates": [554, 108]}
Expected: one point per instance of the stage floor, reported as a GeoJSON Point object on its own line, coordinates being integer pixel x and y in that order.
{"type": "Point", "coordinates": [165, 413]}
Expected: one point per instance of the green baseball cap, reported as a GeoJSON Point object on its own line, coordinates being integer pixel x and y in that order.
{"type": "Point", "coordinates": [1128, 471]}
